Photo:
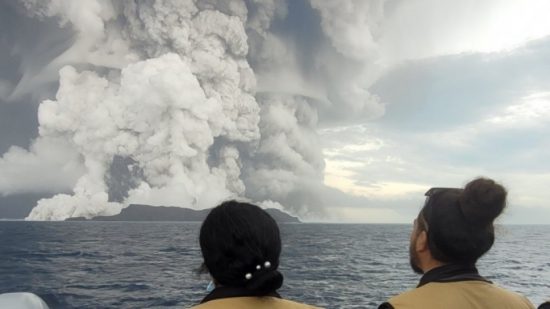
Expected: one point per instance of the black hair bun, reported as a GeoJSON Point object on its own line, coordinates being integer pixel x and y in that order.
{"type": "Point", "coordinates": [265, 282]}
{"type": "Point", "coordinates": [482, 201]}
{"type": "Point", "coordinates": [235, 239]}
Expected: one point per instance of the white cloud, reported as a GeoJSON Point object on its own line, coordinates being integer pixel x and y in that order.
{"type": "Point", "coordinates": [532, 110]}
{"type": "Point", "coordinates": [5, 89]}
{"type": "Point", "coordinates": [424, 28]}
{"type": "Point", "coordinates": [510, 145]}
{"type": "Point", "coordinates": [370, 215]}
{"type": "Point", "coordinates": [528, 190]}
{"type": "Point", "coordinates": [95, 41]}
{"type": "Point", "coordinates": [50, 166]}
{"type": "Point", "coordinates": [378, 190]}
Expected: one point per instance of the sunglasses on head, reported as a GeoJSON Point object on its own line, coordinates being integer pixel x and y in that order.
{"type": "Point", "coordinates": [433, 191]}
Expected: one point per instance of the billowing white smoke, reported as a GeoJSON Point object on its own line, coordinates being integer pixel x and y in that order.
{"type": "Point", "coordinates": [49, 164]}
{"type": "Point", "coordinates": [167, 84]}
{"type": "Point", "coordinates": [158, 115]}
{"type": "Point", "coordinates": [288, 164]}
{"type": "Point", "coordinates": [346, 21]}
{"type": "Point", "coordinates": [164, 112]}
{"type": "Point", "coordinates": [302, 88]}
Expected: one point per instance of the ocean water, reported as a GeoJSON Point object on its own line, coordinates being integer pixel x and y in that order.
{"type": "Point", "coordinates": [153, 265]}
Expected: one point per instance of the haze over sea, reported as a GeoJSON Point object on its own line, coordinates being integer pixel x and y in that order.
{"type": "Point", "coordinates": [153, 265]}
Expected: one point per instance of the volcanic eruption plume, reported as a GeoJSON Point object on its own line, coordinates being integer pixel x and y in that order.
{"type": "Point", "coordinates": [190, 102]}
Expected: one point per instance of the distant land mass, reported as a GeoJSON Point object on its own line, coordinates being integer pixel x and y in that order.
{"type": "Point", "coordinates": [137, 212]}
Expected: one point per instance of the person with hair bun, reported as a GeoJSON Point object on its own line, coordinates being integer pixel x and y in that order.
{"type": "Point", "coordinates": [241, 245]}
{"type": "Point", "coordinates": [452, 231]}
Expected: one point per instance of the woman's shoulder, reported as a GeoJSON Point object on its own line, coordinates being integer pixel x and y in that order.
{"type": "Point", "coordinates": [253, 302]}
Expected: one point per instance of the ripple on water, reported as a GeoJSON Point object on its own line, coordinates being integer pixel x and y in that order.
{"type": "Point", "coordinates": [148, 265]}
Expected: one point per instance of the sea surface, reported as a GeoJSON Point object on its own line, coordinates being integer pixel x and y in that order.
{"type": "Point", "coordinates": [154, 265]}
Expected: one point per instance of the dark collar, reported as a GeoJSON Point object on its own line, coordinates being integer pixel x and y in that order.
{"type": "Point", "coordinates": [228, 292]}
{"type": "Point", "coordinates": [452, 273]}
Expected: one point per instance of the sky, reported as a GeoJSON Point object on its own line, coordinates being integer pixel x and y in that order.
{"type": "Point", "coordinates": [338, 111]}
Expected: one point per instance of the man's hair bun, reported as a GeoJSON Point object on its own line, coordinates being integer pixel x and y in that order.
{"type": "Point", "coordinates": [482, 201]}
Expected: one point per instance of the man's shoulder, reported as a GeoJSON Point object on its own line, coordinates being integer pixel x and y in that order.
{"type": "Point", "coordinates": [440, 295]}
{"type": "Point", "coordinates": [402, 299]}
{"type": "Point", "coordinates": [415, 293]}
{"type": "Point", "coordinates": [512, 297]}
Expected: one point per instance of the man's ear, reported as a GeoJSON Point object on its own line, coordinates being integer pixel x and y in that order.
{"type": "Point", "coordinates": [422, 242]}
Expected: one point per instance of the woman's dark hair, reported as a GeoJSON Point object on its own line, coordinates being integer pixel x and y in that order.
{"type": "Point", "coordinates": [237, 237]}
{"type": "Point", "coordinates": [459, 222]}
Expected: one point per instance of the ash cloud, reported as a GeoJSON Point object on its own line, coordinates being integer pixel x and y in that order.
{"type": "Point", "coordinates": [199, 101]}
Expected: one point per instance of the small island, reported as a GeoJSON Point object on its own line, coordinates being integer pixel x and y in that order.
{"type": "Point", "coordinates": [136, 212]}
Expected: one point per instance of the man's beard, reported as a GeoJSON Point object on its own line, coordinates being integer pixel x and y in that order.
{"type": "Point", "coordinates": [413, 258]}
